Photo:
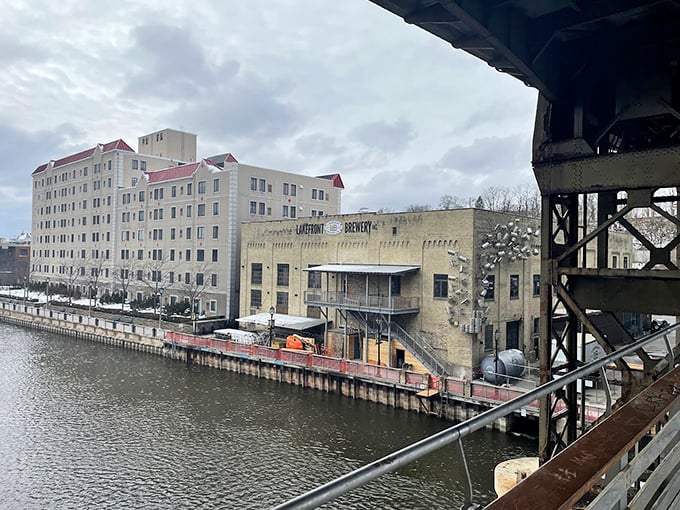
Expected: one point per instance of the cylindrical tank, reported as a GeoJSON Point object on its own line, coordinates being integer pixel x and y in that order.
{"type": "Point", "coordinates": [510, 363]}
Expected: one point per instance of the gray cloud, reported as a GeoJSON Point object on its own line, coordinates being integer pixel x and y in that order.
{"type": "Point", "coordinates": [22, 153]}
{"type": "Point", "coordinates": [384, 136]}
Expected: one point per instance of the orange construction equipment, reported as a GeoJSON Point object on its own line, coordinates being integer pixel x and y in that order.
{"type": "Point", "coordinates": [301, 343]}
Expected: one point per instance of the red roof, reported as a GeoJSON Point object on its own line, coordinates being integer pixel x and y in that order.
{"type": "Point", "coordinates": [177, 172]}
{"type": "Point", "coordinates": [337, 180]}
{"type": "Point", "coordinates": [230, 158]}
{"type": "Point", "coordinates": [115, 145]}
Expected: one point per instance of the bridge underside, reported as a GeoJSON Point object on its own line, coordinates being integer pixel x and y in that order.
{"type": "Point", "coordinates": [606, 156]}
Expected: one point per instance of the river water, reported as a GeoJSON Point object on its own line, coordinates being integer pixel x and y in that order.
{"type": "Point", "coordinates": [84, 425]}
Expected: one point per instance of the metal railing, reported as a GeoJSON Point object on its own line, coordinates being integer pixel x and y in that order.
{"type": "Point", "coordinates": [357, 301]}
{"type": "Point", "coordinates": [423, 351]}
{"type": "Point", "coordinates": [415, 451]}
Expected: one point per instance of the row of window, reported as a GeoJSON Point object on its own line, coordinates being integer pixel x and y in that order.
{"type": "Point", "coordinates": [83, 172]}
{"type": "Point", "coordinates": [441, 286]}
{"type": "Point", "coordinates": [283, 275]}
{"type": "Point", "coordinates": [187, 278]}
{"type": "Point", "coordinates": [287, 189]}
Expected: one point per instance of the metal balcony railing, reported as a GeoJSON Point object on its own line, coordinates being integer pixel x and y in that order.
{"type": "Point", "coordinates": [361, 302]}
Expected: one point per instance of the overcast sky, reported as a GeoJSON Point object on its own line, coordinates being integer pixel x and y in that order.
{"type": "Point", "coordinates": [307, 86]}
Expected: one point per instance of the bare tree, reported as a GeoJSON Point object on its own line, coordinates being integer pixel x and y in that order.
{"type": "Point", "coordinates": [193, 286]}
{"type": "Point", "coordinates": [123, 276]}
{"type": "Point", "coordinates": [418, 208]}
{"type": "Point", "coordinates": [453, 202]}
{"type": "Point", "coordinates": [155, 277]}
{"type": "Point", "coordinates": [527, 199]}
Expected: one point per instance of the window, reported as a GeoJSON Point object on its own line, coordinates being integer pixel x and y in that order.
{"type": "Point", "coordinates": [293, 190]}
{"type": "Point", "coordinates": [187, 255]}
{"type": "Point", "coordinates": [293, 211]}
{"type": "Point", "coordinates": [263, 185]}
{"type": "Point", "coordinates": [189, 209]}
{"type": "Point", "coordinates": [615, 261]}
{"type": "Point", "coordinates": [396, 285]}
{"type": "Point", "coordinates": [261, 208]}
{"type": "Point", "coordinates": [188, 233]}
{"type": "Point", "coordinates": [321, 192]}
{"type": "Point", "coordinates": [201, 209]}
{"type": "Point", "coordinates": [213, 306]}
{"type": "Point", "coordinates": [172, 254]}
{"type": "Point", "coordinates": [282, 302]}
{"type": "Point", "coordinates": [284, 211]}
{"type": "Point", "coordinates": [253, 207]}
{"type": "Point", "coordinates": [441, 286]}
{"type": "Point", "coordinates": [256, 273]}
{"type": "Point", "coordinates": [282, 274]}
{"type": "Point", "coordinates": [173, 191]}
{"type": "Point", "coordinates": [190, 187]}
{"type": "Point", "coordinates": [135, 164]}
{"type": "Point", "coordinates": [200, 255]}
{"type": "Point", "coordinates": [216, 185]}
{"type": "Point", "coordinates": [285, 188]}
{"type": "Point", "coordinates": [253, 184]}
{"type": "Point", "coordinates": [490, 287]}
{"type": "Point", "coordinates": [199, 279]}
{"type": "Point", "coordinates": [314, 194]}
{"type": "Point", "coordinates": [202, 185]}
{"type": "Point", "coordinates": [141, 196]}
{"type": "Point", "coordinates": [172, 234]}
{"type": "Point", "coordinates": [216, 208]}
{"type": "Point", "coordinates": [142, 166]}
{"type": "Point", "coordinates": [514, 286]}
{"type": "Point", "coordinates": [200, 232]}
{"type": "Point", "coordinates": [173, 212]}
{"type": "Point", "coordinates": [313, 279]}
{"type": "Point", "coordinates": [214, 254]}
{"type": "Point", "coordinates": [625, 262]}
{"type": "Point", "coordinates": [216, 231]}
{"type": "Point", "coordinates": [537, 285]}
{"type": "Point", "coordinates": [255, 298]}
{"type": "Point", "coordinates": [213, 279]}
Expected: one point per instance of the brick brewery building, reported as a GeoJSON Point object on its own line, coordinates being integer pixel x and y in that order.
{"type": "Point", "coordinates": [450, 286]}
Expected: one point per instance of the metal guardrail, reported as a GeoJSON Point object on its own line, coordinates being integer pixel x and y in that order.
{"type": "Point", "coordinates": [415, 451]}
{"type": "Point", "coordinates": [392, 304]}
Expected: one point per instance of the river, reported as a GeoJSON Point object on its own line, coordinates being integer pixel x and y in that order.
{"type": "Point", "coordinates": [84, 425]}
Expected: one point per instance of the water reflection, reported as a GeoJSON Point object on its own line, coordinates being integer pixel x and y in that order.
{"type": "Point", "coordinates": [88, 425]}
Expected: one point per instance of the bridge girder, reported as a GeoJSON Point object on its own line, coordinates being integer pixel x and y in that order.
{"type": "Point", "coordinates": [606, 136]}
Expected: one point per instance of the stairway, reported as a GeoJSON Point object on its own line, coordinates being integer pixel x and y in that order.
{"type": "Point", "coordinates": [419, 347]}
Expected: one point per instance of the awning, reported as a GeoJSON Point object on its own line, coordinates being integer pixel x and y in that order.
{"type": "Point", "coordinates": [282, 321]}
{"type": "Point", "coordinates": [385, 269]}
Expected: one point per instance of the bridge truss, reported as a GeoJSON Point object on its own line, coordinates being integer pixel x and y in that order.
{"type": "Point", "coordinates": [606, 156]}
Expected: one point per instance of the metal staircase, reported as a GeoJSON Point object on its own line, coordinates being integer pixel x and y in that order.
{"type": "Point", "coordinates": [420, 347]}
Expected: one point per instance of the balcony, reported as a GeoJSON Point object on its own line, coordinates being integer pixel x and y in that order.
{"type": "Point", "coordinates": [363, 303]}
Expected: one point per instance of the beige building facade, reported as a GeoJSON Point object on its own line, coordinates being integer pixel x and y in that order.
{"type": "Point", "coordinates": [151, 225]}
{"type": "Point", "coordinates": [453, 285]}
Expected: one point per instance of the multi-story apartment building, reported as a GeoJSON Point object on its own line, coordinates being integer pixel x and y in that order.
{"type": "Point", "coordinates": [145, 224]}
{"type": "Point", "coordinates": [451, 286]}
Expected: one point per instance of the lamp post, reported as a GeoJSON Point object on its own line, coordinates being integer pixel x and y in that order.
{"type": "Point", "coordinates": [25, 289]}
{"type": "Point", "coordinates": [160, 306]}
{"type": "Point", "coordinates": [89, 300]}
{"type": "Point", "coordinates": [47, 292]}
{"type": "Point", "coordinates": [272, 311]}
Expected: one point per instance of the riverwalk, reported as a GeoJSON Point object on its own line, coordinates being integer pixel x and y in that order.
{"type": "Point", "coordinates": [448, 398]}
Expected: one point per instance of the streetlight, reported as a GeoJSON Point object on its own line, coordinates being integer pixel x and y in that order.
{"type": "Point", "coordinates": [89, 295]}
{"type": "Point", "coordinates": [160, 306]}
{"type": "Point", "coordinates": [47, 293]}
{"type": "Point", "coordinates": [272, 311]}
{"type": "Point", "coordinates": [25, 290]}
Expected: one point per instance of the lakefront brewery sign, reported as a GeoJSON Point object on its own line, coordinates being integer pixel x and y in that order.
{"type": "Point", "coordinates": [334, 227]}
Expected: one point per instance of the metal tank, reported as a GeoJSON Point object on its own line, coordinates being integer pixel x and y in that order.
{"type": "Point", "coordinates": [511, 363]}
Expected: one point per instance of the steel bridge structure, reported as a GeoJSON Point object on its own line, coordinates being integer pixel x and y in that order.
{"type": "Point", "coordinates": [606, 152]}
{"type": "Point", "coordinates": [606, 157]}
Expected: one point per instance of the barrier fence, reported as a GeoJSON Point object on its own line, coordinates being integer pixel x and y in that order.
{"type": "Point", "coordinates": [417, 380]}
